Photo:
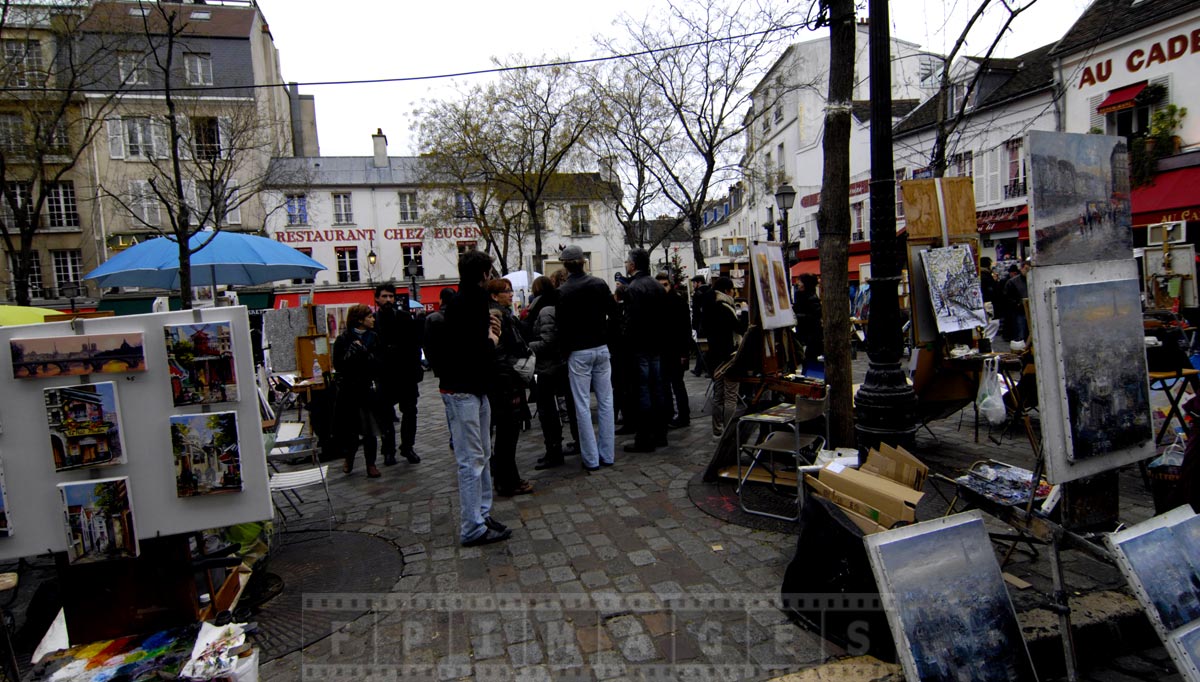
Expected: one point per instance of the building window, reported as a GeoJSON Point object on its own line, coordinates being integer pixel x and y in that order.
{"type": "Point", "coordinates": [963, 165]}
{"type": "Point", "coordinates": [778, 113]}
{"type": "Point", "coordinates": [410, 252]}
{"type": "Point", "coordinates": [308, 252]}
{"type": "Point", "coordinates": [12, 133]}
{"type": "Point", "coordinates": [143, 203]}
{"type": "Point", "coordinates": [51, 131]}
{"type": "Point", "coordinates": [856, 219]}
{"type": "Point", "coordinates": [198, 68]}
{"type": "Point", "coordinates": [464, 208]}
{"type": "Point", "coordinates": [343, 214]}
{"type": "Point", "coordinates": [68, 268]}
{"type": "Point", "coordinates": [297, 210]}
{"type": "Point", "coordinates": [23, 194]}
{"type": "Point", "coordinates": [23, 62]}
{"type": "Point", "coordinates": [35, 275]}
{"type": "Point", "coordinates": [408, 207]}
{"type": "Point", "coordinates": [467, 245]}
{"type": "Point", "coordinates": [347, 263]}
{"type": "Point", "coordinates": [957, 99]}
{"type": "Point", "coordinates": [132, 67]}
{"type": "Point", "coordinates": [1016, 170]}
{"type": "Point", "coordinates": [900, 177]}
{"type": "Point", "coordinates": [139, 137]}
{"type": "Point", "coordinates": [226, 211]}
{"type": "Point", "coordinates": [581, 219]}
{"type": "Point", "coordinates": [61, 210]}
{"type": "Point", "coordinates": [206, 137]}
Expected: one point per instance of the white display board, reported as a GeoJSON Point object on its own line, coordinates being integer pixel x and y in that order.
{"type": "Point", "coordinates": [145, 408]}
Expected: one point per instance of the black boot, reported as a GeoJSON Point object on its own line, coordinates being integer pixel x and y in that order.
{"type": "Point", "coordinates": [553, 458]}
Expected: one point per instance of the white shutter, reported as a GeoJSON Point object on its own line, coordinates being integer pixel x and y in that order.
{"type": "Point", "coordinates": [980, 181]}
{"type": "Point", "coordinates": [233, 209]}
{"type": "Point", "coordinates": [1165, 82]}
{"type": "Point", "coordinates": [184, 125]}
{"type": "Point", "coordinates": [994, 184]}
{"type": "Point", "coordinates": [1095, 118]}
{"type": "Point", "coordinates": [159, 136]}
{"type": "Point", "coordinates": [189, 198]}
{"type": "Point", "coordinates": [223, 127]}
{"type": "Point", "coordinates": [116, 138]}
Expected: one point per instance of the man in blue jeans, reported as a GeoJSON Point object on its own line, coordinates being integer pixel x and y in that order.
{"type": "Point", "coordinates": [584, 312]}
{"type": "Point", "coordinates": [470, 338]}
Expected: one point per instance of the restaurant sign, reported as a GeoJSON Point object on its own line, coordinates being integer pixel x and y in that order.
{"type": "Point", "coordinates": [406, 234]}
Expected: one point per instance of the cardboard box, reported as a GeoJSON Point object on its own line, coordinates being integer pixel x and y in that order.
{"type": "Point", "coordinates": [897, 464]}
{"type": "Point", "coordinates": [875, 497]}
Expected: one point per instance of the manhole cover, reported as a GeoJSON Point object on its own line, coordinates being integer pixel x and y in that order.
{"type": "Point", "coordinates": [317, 562]}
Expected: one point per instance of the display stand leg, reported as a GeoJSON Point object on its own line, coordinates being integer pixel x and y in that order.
{"type": "Point", "coordinates": [1063, 607]}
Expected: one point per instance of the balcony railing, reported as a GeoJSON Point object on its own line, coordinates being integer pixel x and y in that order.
{"type": "Point", "coordinates": [1016, 188]}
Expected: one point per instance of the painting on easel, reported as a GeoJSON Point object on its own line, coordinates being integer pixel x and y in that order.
{"type": "Point", "coordinates": [206, 454]}
{"type": "Point", "coordinates": [200, 357]}
{"type": "Point", "coordinates": [948, 608]}
{"type": "Point", "coordinates": [85, 426]}
{"type": "Point", "coordinates": [1160, 559]}
{"type": "Point", "coordinates": [771, 286]}
{"type": "Point", "coordinates": [98, 520]}
{"type": "Point", "coordinates": [953, 282]}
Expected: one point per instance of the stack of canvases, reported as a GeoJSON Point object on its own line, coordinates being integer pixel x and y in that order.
{"type": "Point", "coordinates": [85, 426]}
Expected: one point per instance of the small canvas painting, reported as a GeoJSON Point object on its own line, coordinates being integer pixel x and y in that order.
{"type": "Point", "coordinates": [954, 291]}
{"type": "Point", "coordinates": [1098, 332]}
{"type": "Point", "coordinates": [949, 611]}
{"type": "Point", "coordinates": [98, 520]}
{"type": "Point", "coordinates": [85, 426]}
{"type": "Point", "coordinates": [1079, 208]}
{"type": "Point", "coordinates": [55, 356]}
{"type": "Point", "coordinates": [771, 286]}
{"type": "Point", "coordinates": [200, 360]}
{"type": "Point", "coordinates": [206, 454]}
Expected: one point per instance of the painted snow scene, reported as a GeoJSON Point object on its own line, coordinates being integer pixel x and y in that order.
{"type": "Point", "coordinates": [954, 288]}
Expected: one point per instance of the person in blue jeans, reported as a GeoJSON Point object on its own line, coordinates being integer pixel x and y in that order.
{"type": "Point", "coordinates": [584, 312]}
{"type": "Point", "coordinates": [470, 338]}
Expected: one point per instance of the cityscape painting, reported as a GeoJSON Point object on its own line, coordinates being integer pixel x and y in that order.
{"type": "Point", "coordinates": [1079, 208]}
{"type": "Point", "coordinates": [200, 361]}
{"type": "Point", "coordinates": [949, 611]}
{"type": "Point", "coordinates": [1098, 331]}
{"type": "Point", "coordinates": [56, 356]}
{"type": "Point", "coordinates": [98, 520]}
{"type": "Point", "coordinates": [1160, 558]}
{"type": "Point", "coordinates": [954, 288]}
{"type": "Point", "coordinates": [206, 454]}
{"type": "Point", "coordinates": [85, 426]}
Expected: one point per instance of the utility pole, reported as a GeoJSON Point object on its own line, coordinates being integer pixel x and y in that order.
{"type": "Point", "coordinates": [885, 406]}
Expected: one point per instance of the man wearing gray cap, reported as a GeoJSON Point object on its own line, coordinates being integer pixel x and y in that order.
{"type": "Point", "coordinates": [584, 311]}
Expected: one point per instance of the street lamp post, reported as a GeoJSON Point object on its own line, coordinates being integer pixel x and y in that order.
{"type": "Point", "coordinates": [413, 269]}
{"type": "Point", "coordinates": [371, 258]}
{"type": "Point", "coordinates": [885, 406]}
{"type": "Point", "coordinates": [785, 198]}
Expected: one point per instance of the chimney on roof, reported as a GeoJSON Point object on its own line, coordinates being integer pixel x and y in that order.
{"type": "Point", "coordinates": [380, 142]}
{"type": "Point", "coordinates": [608, 169]}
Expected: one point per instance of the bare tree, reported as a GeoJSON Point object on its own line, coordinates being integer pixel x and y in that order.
{"type": "Point", "coordinates": [519, 133]}
{"type": "Point", "coordinates": [700, 59]}
{"type": "Point", "coordinates": [56, 75]}
{"type": "Point", "coordinates": [833, 216]}
{"type": "Point", "coordinates": [205, 157]}
{"type": "Point", "coordinates": [953, 97]}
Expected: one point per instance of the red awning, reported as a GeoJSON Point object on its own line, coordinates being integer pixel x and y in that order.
{"type": "Point", "coordinates": [1121, 98]}
{"type": "Point", "coordinates": [813, 266]}
{"type": "Point", "coordinates": [1171, 197]}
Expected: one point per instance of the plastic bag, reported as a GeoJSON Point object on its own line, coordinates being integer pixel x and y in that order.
{"type": "Point", "coordinates": [990, 400]}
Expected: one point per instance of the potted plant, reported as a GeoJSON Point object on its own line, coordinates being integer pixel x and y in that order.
{"type": "Point", "coordinates": [1163, 123]}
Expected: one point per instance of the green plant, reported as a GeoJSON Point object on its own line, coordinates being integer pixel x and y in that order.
{"type": "Point", "coordinates": [1165, 120]}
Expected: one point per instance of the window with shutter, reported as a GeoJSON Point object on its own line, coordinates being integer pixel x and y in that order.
{"type": "Point", "coordinates": [143, 204]}
{"type": "Point", "coordinates": [994, 182]}
{"type": "Point", "coordinates": [1096, 120]}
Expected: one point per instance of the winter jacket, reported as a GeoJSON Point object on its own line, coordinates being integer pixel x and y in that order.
{"type": "Point", "coordinates": [724, 329]}
{"type": "Point", "coordinates": [585, 307]}
{"type": "Point", "coordinates": [467, 348]}
{"type": "Point", "coordinates": [646, 312]}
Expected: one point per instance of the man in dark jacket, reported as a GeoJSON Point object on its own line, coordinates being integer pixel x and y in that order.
{"type": "Point", "coordinates": [434, 335]}
{"type": "Point", "coordinates": [471, 335]}
{"type": "Point", "coordinates": [645, 313]}
{"type": "Point", "coordinates": [676, 353]}
{"type": "Point", "coordinates": [400, 352]}
{"type": "Point", "coordinates": [1016, 290]}
{"type": "Point", "coordinates": [725, 329]}
{"type": "Point", "coordinates": [585, 308]}
{"type": "Point", "coordinates": [702, 295]}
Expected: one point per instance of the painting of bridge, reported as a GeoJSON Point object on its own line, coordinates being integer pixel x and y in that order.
{"type": "Point", "coordinates": [85, 430]}
{"type": "Point", "coordinates": [56, 356]}
{"type": "Point", "coordinates": [200, 360]}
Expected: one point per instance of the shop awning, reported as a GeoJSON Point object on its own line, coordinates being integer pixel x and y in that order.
{"type": "Point", "coordinates": [1003, 220]}
{"type": "Point", "coordinates": [813, 266]}
{"type": "Point", "coordinates": [1171, 197]}
{"type": "Point", "coordinates": [1121, 98]}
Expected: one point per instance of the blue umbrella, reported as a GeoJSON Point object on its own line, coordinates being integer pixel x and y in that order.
{"type": "Point", "coordinates": [230, 258]}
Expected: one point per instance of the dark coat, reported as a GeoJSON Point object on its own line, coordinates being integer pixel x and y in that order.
{"type": "Point", "coordinates": [357, 364]}
{"type": "Point", "coordinates": [646, 310]}
{"type": "Point", "coordinates": [809, 328]}
{"type": "Point", "coordinates": [400, 346]}
{"type": "Point", "coordinates": [723, 325]}
{"type": "Point", "coordinates": [512, 347]}
{"type": "Point", "coordinates": [584, 311]}
{"type": "Point", "coordinates": [468, 350]}
{"type": "Point", "coordinates": [678, 331]}
{"type": "Point", "coordinates": [544, 338]}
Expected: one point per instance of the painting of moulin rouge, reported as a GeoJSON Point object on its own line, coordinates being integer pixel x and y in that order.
{"type": "Point", "coordinates": [1098, 328]}
{"type": "Point", "coordinates": [200, 358]}
{"type": "Point", "coordinates": [1079, 199]}
{"type": "Point", "coordinates": [942, 587]}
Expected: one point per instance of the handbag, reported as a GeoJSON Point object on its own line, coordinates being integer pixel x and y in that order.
{"type": "Point", "coordinates": [524, 367]}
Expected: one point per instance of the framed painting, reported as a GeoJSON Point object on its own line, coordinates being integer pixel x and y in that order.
{"type": "Point", "coordinates": [56, 356]}
{"type": "Point", "coordinates": [85, 426]}
{"type": "Point", "coordinates": [954, 294]}
{"type": "Point", "coordinates": [98, 520]}
{"type": "Point", "coordinates": [205, 448]}
{"type": "Point", "coordinates": [201, 363]}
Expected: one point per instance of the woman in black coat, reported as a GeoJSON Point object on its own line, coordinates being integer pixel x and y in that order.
{"type": "Point", "coordinates": [507, 394]}
{"type": "Point", "coordinates": [360, 405]}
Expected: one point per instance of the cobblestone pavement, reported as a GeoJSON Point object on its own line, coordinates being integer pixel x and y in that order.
{"type": "Point", "coordinates": [611, 575]}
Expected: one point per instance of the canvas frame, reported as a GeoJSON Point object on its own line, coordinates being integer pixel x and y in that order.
{"type": "Point", "coordinates": [1052, 395]}
{"type": "Point", "coordinates": [766, 264]}
{"type": "Point", "coordinates": [924, 323]}
{"type": "Point", "coordinates": [1173, 640]}
{"type": "Point", "coordinates": [883, 579]}
{"type": "Point", "coordinates": [949, 326]}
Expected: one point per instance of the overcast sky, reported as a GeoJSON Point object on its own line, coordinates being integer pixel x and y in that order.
{"type": "Point", "coordinates": [321, 40]}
